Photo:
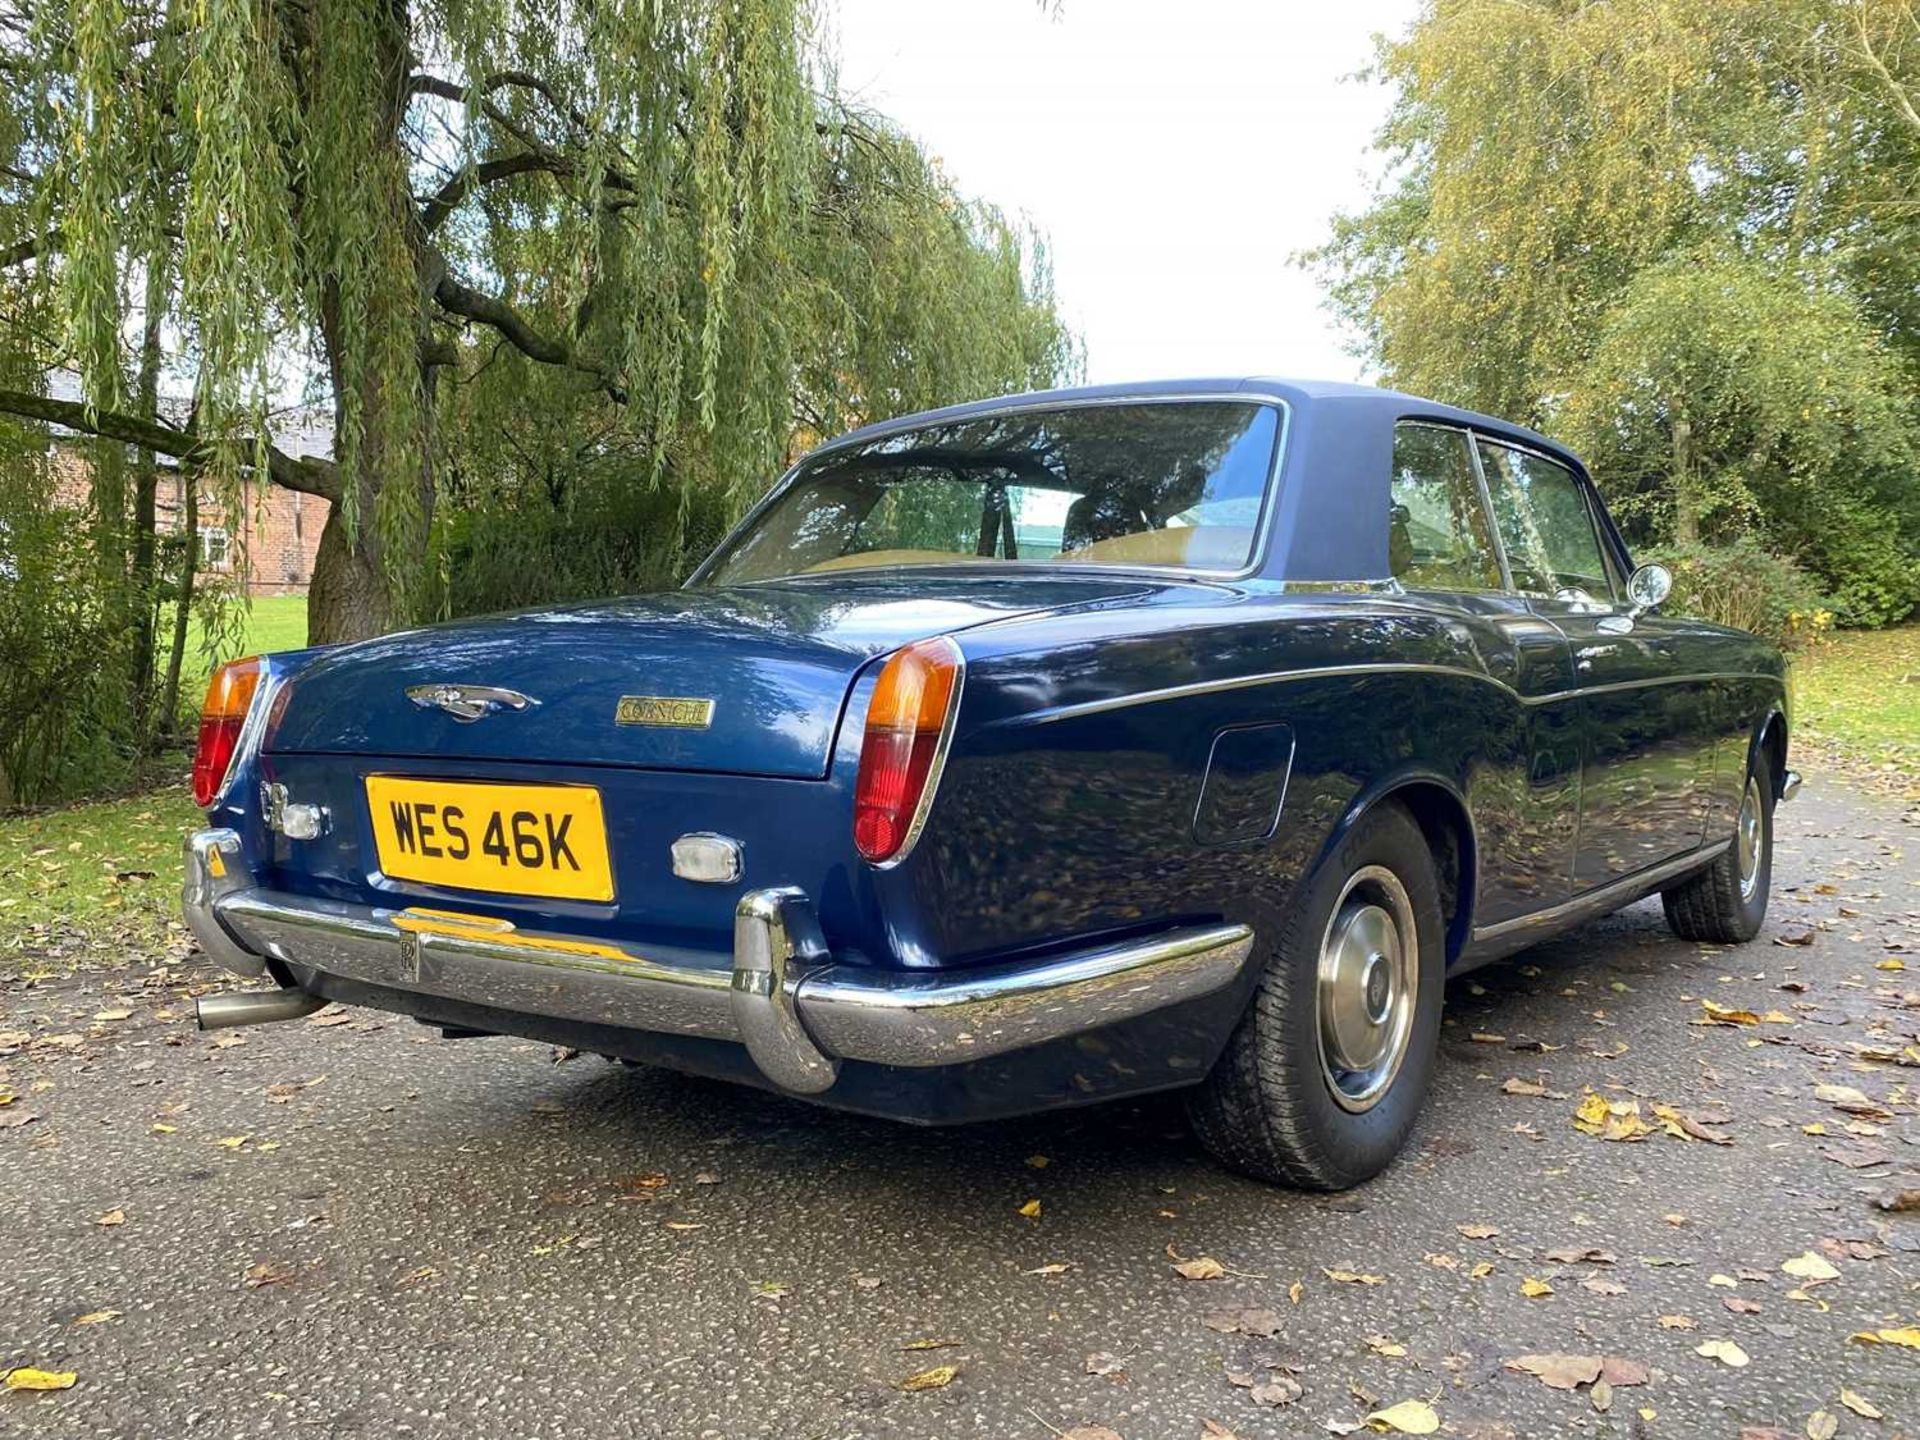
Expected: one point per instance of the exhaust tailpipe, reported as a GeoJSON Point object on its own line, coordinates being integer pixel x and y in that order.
{"type": "Point", "coordinates": [218, 1012]}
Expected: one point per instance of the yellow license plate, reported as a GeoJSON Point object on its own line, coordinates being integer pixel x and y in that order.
{"type": "Point", "coordinates": [546, 840]}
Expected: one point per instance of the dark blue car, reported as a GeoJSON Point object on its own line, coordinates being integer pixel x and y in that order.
{"type": "Point", "coordinates": [1023, 754]}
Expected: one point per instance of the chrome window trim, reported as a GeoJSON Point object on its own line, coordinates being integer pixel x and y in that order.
{"type": "Point", "coordinates": [1321, 672]}
{"type": "Point", "coordinates": [1263, 527]}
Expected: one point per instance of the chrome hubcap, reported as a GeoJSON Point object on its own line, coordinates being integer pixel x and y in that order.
{"type": "Point", "coordinates": [1747, 839]}
{"type": "Point", "coordinates": [1368, 979]}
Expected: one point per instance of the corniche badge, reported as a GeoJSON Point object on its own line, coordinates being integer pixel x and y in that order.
{"type": "Point", "coordinates": [467, 703]}
{"type": "Point", "coordinates": [674, 712]}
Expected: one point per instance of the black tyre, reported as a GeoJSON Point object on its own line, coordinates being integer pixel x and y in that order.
{"type": "Point", "coordinates": [1327, 1071]}
{"type": "Point", "coordinates": [1725, 903]}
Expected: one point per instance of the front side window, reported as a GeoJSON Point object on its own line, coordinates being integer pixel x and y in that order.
{"type": "Point", "coordinates": [1168, 484]}
{"type": "Point", "coordinates": [1437, 528]}
{"type": "Point", "coordinates": [1546, 524]}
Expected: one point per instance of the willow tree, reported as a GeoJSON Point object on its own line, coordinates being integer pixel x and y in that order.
{"type": "Point", "coordinates": [1597, 216]}
{"type": "Point", "coordinates": [654, 206]}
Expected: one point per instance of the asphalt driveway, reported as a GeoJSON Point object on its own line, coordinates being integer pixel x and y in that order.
{"type": "Point", "coordinates": [349, 1226]}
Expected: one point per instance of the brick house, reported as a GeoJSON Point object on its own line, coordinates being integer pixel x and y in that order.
{"type": "Point", "coordinates": [277, 530]}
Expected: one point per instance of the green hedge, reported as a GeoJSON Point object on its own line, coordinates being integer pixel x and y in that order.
{"type": "Point", "coordinates": [1748, 586]}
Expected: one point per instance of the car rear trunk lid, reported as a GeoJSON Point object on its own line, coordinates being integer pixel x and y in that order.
{"type": "Point", "coordinates": [749, 680]}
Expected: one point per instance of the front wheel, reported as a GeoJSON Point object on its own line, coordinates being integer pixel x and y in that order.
{"type": "Point", "coordinates": [1327, 1071]}
{"type": "Point", "coordinates": [1725, 903]}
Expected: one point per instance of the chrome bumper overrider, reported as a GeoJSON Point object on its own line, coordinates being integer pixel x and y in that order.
{"type": "Point", "coordinates": [798, 1012]}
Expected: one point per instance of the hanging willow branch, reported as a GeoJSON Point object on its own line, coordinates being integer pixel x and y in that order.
{"type": "Point", "coordinates": [651, 202]}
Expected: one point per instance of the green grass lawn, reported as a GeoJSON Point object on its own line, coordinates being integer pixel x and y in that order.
{"type": "Point", "coordinates": [97, 883]}
{"type": "Point", "coordinates": [1859, 693]}
{"type": "Point", "coordinates": [274, 622]}
{"type": "Point", "coordinates": [101, 881]}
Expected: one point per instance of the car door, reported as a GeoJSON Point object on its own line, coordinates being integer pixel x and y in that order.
{"type": "Point", "coordinates": [1647, 734]}
{"type": "Point", "coordinates": [1441, 551]}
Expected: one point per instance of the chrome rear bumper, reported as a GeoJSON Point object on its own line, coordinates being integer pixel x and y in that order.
{"type": "Point", "coordinates": [798, 1012]}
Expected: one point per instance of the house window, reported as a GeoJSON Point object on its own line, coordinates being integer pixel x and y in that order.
{"type": "Point", "coordinates": [213, 548]}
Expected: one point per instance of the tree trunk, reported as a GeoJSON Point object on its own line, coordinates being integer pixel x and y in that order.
{"type": "Point", "coordinates": [348, 598]}
{"type": "Point", "coordinates": [352, 595]}
{"type": "Point", "coordinates": [1686, 504]}
{"type": "Point", "coordinates": [183, 603]}
{"type": "Point", "coordinates": [145, 495]}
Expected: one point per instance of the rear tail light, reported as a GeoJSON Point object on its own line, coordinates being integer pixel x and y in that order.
{"type": "Point", "coordinates": [229, 697]}
{"type": "Point", "coordinates": [908, 726]}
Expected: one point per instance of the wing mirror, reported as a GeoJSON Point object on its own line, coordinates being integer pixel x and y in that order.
{"type": "Point", "coordinates": [1648, 588]}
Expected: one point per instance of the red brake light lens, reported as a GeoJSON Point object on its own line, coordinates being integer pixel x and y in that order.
{"type": "Point", "coordinates": [229, 697]}
{"type": "Point", "coordinates": [907, 724]}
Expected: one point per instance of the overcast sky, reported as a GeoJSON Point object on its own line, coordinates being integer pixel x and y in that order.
{"type": "Point", "coordinates": [1174, 154]}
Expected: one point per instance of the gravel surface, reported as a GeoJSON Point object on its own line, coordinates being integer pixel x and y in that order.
{"type": "Point", "coordinates": [358, 1228]}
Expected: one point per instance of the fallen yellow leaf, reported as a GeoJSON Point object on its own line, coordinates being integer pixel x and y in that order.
{"type": "Point", "coordinates": [97, 1317]}
{"type": "Point", "coordinates": [1610, 1119]}
{"type": "Point", "coordinates": [1809, 1266]}
{"type": "Point", "coordinates": [231, 1142]}
{"type": "Point", "coordinates": [1725, 1351]}
{"type": "Point", "coordinates": [1201, 1267]}
{"type": "Point", "coordinates": [939, 1377]}
{"type": "Point", "coordinates": [112, 1217]}
{"type": "Point", "coordinates": [1909, 1336]}
{"type": "Point", "coordinates": [161, 1129]}
{"type": "Point", "coordinates": [27, 1378]}
{"type": "Point", "coordinates": [1031, 1209]}
{"type": "Point", "coordinates": [1860, 1405]}
{"type": "Point", "coordinates": [1351, 1277]}
{"type": "Point", "coordinates": [1409, 1417]}
{"type": "Point", "coordinates": [1890, 963]}
{"type": "Point", "coordinates": [1534, 1289]}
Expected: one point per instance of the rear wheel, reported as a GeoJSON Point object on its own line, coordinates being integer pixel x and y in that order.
{"type": "Point", "coordinates": [1328, 1069]}
{"type": "Point", "coordinates": [1726, 903]}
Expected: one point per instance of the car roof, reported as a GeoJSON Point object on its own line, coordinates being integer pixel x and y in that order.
{"type": "Point", "coordinates": [1331, 394]}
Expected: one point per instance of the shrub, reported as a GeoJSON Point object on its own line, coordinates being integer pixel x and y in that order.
{"type": "Point", "coordinates": [1873, 570]}
{"type": "Point", "coordinates": [515, 546]}
{"type": "Point", "coordinates": [1748, 586]}
{"type": "Point", "coordinates": [65, 722]}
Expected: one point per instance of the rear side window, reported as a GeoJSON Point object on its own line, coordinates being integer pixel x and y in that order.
{"type": "Point", "coordinates": [1546, 524]}
{"type": "Point", "coordinates": [1437, 537]}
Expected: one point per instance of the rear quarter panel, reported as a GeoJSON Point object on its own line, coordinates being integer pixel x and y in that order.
{"type": "Point", "coordinates": [1069, 801]}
